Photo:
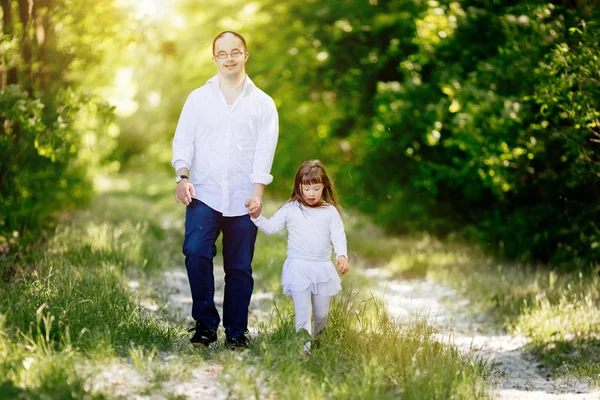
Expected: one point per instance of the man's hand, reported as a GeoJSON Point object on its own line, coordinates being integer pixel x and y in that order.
{"type": "Point", "coordinates": [342, 264]}
{"type": "Point", "coordinates": [254, 205]}
{"type": "Point", "coordinates": [185, 191]}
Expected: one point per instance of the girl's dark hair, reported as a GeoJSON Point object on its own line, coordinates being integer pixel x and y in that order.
{"type": "Point", "coordinates": [310, 173]}
{"type": "Point", "coordinates": [237, 35]}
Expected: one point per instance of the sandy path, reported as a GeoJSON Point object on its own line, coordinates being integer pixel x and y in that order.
{"type": "Point", "coordinates": [180, 301]}
{"type": "Point", "coordinates": [179, 306]}
{"type": "Point", "coordinates": [517, 373]}
{"type": "Point", "coordinates": [122, 379]}
{"type": "Point", "coordinates": [517, 376]}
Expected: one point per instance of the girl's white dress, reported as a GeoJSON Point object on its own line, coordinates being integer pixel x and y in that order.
{"type": "Point", "coordinates": [311, 232]}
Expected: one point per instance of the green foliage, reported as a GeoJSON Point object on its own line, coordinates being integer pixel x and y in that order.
{"type": "Point", "coordinates": [568, 124]}
{"type": "Point", "coordinates": [477, 118]}
{"type": "Point", "coordinates": [43, 165]}
{"type": "Point", "coordinates": [444, 116]}
{"type": "Point", "coordinates": [55, 132]}
{"type": "Point", "coordinates": [473, 117]}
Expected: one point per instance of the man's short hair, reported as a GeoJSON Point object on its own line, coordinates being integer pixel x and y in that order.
{"type": "Point", "coordinates": [224, 33]}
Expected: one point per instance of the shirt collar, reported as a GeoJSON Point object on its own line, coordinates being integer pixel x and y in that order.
{"type": "Point", "coordinates": [248, 84]}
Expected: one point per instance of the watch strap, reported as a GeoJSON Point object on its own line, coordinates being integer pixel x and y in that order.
{"type": "Point", "coordinates": [179, 178]}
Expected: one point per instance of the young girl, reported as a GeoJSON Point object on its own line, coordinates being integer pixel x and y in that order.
{"type": "Point", "coordinates": [312, 217]}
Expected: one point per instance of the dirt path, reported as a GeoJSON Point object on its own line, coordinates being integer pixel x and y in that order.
{"type": "Point", "coordinates": [517, 374]}
{"type": "Point", "coordinates": [180, 302]}
{"type": "Point", "coordinates": [179, 306]}
{"type": "Point", "coordinates": [123, 379]}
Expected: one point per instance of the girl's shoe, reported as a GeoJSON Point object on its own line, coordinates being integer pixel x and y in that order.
{"type": "Point", "coordinates": [306, 349]}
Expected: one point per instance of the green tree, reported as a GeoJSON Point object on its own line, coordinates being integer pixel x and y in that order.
{"type": "Point", "coordinates": [432, 115]}
{"type": "Point", "coordinates": [52, 125]}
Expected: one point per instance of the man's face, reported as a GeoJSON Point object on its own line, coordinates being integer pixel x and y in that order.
{"type": "Point", "coordinates": [235, 56]}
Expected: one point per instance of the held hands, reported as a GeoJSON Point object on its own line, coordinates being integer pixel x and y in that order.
{"type": "Point", "coordinates": [342, 264]}
{"type": "Point", "coordinates": [185, 191]}
{"type": "Point", "coordinates": [254, 205]}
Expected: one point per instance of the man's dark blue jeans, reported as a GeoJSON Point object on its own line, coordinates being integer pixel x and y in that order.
{"type": "Point", "coordinates": [202, 228]}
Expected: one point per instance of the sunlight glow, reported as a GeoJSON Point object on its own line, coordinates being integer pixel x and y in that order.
{"type": "Point", "coordinates": [105, 183]}
{"type": "Point", "coordinates": [162, 11]}
{"type": "Point", "coordinates": [154, 99]}
{"type": "Point", "coordinates": [124, 92]}
{"type": "Point", "coordinates": [147, 8]}
{"type": "Point", "coordinates": [152, 8]}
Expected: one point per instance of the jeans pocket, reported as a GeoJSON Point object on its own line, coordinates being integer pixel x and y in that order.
{"type": "Point", "coordinates": [194, 203]}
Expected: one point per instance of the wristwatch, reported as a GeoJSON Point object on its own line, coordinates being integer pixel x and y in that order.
{"type": "Point", "coordinates": [179, 178]}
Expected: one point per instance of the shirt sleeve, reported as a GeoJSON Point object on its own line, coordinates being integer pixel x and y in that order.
{"type": "Point", "coordinates": [274, 224]}
{"type": "Point", "coordinates": [183, 142]}
{"type": "Point", "coordinates": [338, 235]}
{"type": "Point", "coordinates": [266, 143]}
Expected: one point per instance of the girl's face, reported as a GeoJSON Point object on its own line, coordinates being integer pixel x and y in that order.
{"type": "Point", "coordinates": [312, 193]}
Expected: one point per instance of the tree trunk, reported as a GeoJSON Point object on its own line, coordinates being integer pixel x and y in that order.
{"type": "Point", "coordinates": [9, 72]}
{"type": "Point", "coordinates": [25, 12]}
{"type": "Point", "coordinates": [43, 34]}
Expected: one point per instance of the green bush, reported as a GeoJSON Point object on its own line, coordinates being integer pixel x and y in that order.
{"type": "Point", "coordinates": [42, 169]}
{"type": "Point", "coordinates": [483, 121]}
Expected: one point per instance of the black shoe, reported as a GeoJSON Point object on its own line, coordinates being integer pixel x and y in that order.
{"type": "Point", "coordinates": [204, 336]}
{"type": "Point", "coordinates": [237, 342]}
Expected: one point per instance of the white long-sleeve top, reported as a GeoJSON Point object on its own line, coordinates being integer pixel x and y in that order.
{"type": "Point", "coordinates": [311, 231]}
{"type": "Point", "coordinates": [226, 148]}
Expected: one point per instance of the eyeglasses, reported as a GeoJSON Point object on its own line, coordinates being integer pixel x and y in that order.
{"type": "Point", "coordinates": [222, 55]}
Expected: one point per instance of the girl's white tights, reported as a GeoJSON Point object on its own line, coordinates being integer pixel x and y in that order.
{"type": "Point", "coordinates": [305, 304]}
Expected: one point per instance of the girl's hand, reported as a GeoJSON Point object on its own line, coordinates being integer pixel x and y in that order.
{"type": "Point", "coordinates": [254, 208]}
{"type": "Point", "coordinates": [342, 264]}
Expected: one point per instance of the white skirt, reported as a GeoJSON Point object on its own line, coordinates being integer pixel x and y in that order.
{"type": "Point", "coordinates": [320, 277]}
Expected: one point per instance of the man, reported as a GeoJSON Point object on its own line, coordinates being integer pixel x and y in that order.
{"type": "Point", "coordinates": [223, 152]}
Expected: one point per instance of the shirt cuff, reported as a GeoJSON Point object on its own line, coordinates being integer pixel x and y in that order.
{"type": "Point", "coordinates": [180, 164]}
{"type": "Point", "coordinates": [265, 179]}
{"type": "Point", "coordinates": [257, 219]}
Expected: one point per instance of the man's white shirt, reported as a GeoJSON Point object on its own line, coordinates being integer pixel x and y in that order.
{"type": "Point", "coordinates": [226, 148]}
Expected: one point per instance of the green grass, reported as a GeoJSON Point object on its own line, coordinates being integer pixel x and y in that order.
{"type": "Point", "coordinates": [558, 312]}
{"type": "Point", "coordinates": [71, 303]}
{"type": "Point", "coordinates": [362, 354]}
{"type": "Point", "coordinates": [31, 367]}
{"type": "Point", "coordinates": [70, 311]}
{"type": "Point", "coordinates": [563, 323]}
